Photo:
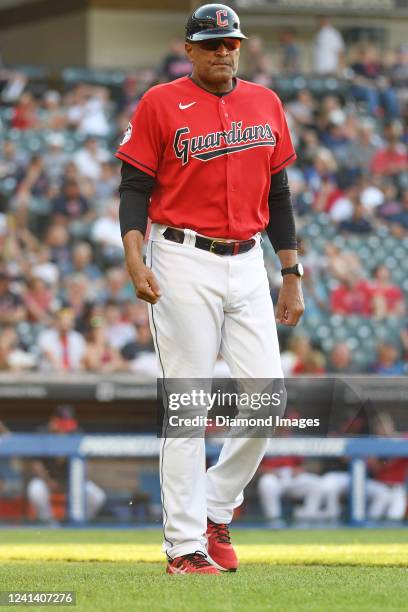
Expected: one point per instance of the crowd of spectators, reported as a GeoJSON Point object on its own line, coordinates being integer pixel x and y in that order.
{"type": "Point", "coordinates": [66, 300]}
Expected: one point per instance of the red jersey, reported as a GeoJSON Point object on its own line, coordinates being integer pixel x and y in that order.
{"type": "Point", "coordinates": [352, 300]}
{"type": "Point", "coordinates": [391, 294]}
{"type": "Point", "coordinates": [393, 471]}
{"type": "Point", "coordinates": [390, 160]}
{"type": "Point", "coordinates": [212, 157]}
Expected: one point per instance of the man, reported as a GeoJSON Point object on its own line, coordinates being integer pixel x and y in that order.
{"type": "Point", "coordinates": [50, 474]}
{"type": "Point", "coordinates": [12, 309]}
{"type": "Point", "coordinates": [203, 148]}
{"type": "Point", "coordinates": [62, 348]}
{"type": "Point", "coordinates": [328, 48]}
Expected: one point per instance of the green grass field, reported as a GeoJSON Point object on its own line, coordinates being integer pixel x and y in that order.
{"type": "Point", "coordinates": [299, 570]}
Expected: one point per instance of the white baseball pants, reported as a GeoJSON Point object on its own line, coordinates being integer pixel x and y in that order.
{"type": "Point", "coordinates": [273, 486]}
{"type": "Point", "coordinates": [336, 484]}
{"type": "Point", "coordinates": [209, 304]}
{"type": "Point", "coordinates": [38, 494]}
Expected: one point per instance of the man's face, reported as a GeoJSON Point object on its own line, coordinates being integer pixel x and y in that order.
{"type": "Point", "coordinates": [4, 284]}
{"type": "Point", "coordinates": [65, 321]}
{"type": "Point", "coordinates": [218, 65]}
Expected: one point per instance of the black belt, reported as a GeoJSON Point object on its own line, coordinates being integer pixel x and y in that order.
{"type": "Point", "coordinates": [217, 246]}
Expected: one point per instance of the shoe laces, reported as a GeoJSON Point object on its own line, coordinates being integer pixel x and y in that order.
{"type": "Point", "coordinates": [221, 532]}
{"type": "Point", "coordinates": [197, 559]}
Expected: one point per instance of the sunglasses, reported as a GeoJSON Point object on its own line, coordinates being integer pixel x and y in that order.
{"type": "Point", "coordinates": [213, 44]}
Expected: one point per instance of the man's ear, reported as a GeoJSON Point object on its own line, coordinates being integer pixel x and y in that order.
{"type": "Point", "coordinates": [188, 47]}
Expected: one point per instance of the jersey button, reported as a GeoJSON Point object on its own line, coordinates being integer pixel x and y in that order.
{"type": "Point", "coordinates": [222, 101]}
{"type": "Point", "coordinates": [226, 114]}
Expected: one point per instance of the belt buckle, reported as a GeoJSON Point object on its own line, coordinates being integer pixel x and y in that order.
{"type": "Point", "coordinates": [215, 242]}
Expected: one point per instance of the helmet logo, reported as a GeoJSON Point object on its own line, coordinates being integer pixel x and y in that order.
{"type": "Point", "coordinates": [222, 23]}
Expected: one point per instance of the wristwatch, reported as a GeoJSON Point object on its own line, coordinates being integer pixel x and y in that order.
{"type": "Point", "coordinates": [296, 269]}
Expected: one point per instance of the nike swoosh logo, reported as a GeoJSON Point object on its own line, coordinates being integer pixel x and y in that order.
{"type": "Point", "coordinates": [184, 106]}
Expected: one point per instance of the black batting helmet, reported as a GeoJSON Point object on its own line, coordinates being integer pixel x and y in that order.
{"type": "Point", "coordinates": [213, 21]}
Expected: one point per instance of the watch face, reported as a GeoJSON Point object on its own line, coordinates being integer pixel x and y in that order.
{"type": "Point", "coordinates": [300, 269]}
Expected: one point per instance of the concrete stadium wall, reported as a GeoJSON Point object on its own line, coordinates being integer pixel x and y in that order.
{"type": "Point", "coordinates": [121, 38]}
{"type": "Point", "coordinates": [131, 39]}
{"type": "Point", "coordinates": [57, 41]}
{"type": "Point", "coordinates": [126, 39]}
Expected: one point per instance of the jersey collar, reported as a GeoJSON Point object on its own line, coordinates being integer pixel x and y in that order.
{"type": "Point", "coordinates": [214, 95]}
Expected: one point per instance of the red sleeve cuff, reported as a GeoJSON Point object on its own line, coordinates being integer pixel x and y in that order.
{"type": "Point", "coordinates": [134, 162]}
{"type": "Point", "coordinates": [282, 165]}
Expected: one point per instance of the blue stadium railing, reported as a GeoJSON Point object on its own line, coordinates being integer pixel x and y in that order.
{"type": "Point", "coordinates": [78, 448]}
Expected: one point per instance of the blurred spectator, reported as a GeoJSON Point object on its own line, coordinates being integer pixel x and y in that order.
{"type": "Point", "coordinates": [353, 296]}
{"type": "Point", "coordinates": [57, 241]}
{"type": "Point", "coordinates": [254, 55]}
{"type": "Point", "coordinates": [388, 361]}
{"type": "Point", "coordinates": [315, 293]}
{"type": "Point", "coordinates": [313, 363]}
{"type": "Point", "coordinates": [99, 355]}
{"type": "Point", "coordinates": [44, 268]}
{"type": "Point", "coordinates": [400, 219]}
{"type": "Point", "coordinates": [77, 292]}
{"type": "Point", "coordinates": [296, 355]}
{"type": "Point", "coordinates": [341, 208]}
{"type": "Point", "coordinates": [290, 52]}
{"type": "Point", "coordinates": [340, 264]}
{"type": "Point", "coordinates": [81, 262]}
{"type": "Point", "coordinates": [303, 108]}
{"type": "Point", "coordinates": [38, 300]}
{"type": "Point", "coordinates": [53, 115]}
{"type": "Point", "coordinates": [371, 194]}
{"type": "Point", "coordinates": [323, 169]}
{"type": "Point", "coordinates": [340, 360]}
{"type": "Point", "coordinates": [175, 64]}
{"type": "Point", "coordinates": [387, 298]}
{"type": "Point", "coordinates": [25, 114]}
{"type": "Point", "coordinates": [358, 223]}
{"type": "Point", "coordinates": [118, 287]}
{"type": "Point", "coordinates": [142, 344]}
{"type": "Point", "coordinates": [359, 152]}
{"type": "Point", "coordinates": [12, 355]}
{"type": "Point", "coordinates": [88, 108]}
{"type": "Point", "coordinates": [107, 185]}
{"type": "Point", "coordinates": [71, 205]}
{"type": "Point", "coordinates": [62, 348]}
{"type": "Point", "coordinates": [371, 86]}
{"type": "Point", "coordinates": [50, 475]}
{"type": "Point", "coordinates": [135, 311]}
{"type": "Point", "coordinates": [391, 207]}
{"type": "Point", "coordinates": [12, 160]}
{"type": "Point", "coordinates": [328, 48]}
{"type": "Point", "coordinates": [12, 309]}
{"type": "Point", "coordinates": [393, 158]}
{"type": "Point", "coordinates": [55, 158]}
{"type": "Point", "coordinates": [119, 332]}
{"type": "Point", "coordinates": [106, 234]}
{"type": "Point", "coordinates": [90, 158]}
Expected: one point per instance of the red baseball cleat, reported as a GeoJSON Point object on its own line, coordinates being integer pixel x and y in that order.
{"type": "Point", "coordinates": [220, 549]}
{"type": "Point", "coordinates": [194, 563]}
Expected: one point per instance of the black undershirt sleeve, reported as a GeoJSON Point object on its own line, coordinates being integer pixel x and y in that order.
{"type": "Point", "coordinates": [135, 190]}
{"type": "Point", "coordinates": [281, 227]}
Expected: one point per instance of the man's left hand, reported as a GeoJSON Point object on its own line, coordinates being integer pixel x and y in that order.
{"type": "Point", "coordinates": [290, 305]}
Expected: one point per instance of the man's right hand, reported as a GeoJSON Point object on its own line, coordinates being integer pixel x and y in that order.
{"type": "Point", "coordinates": [144, 282]}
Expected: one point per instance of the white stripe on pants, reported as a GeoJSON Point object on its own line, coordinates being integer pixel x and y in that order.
{"type": "Point", "coordinates": [210, 304]}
